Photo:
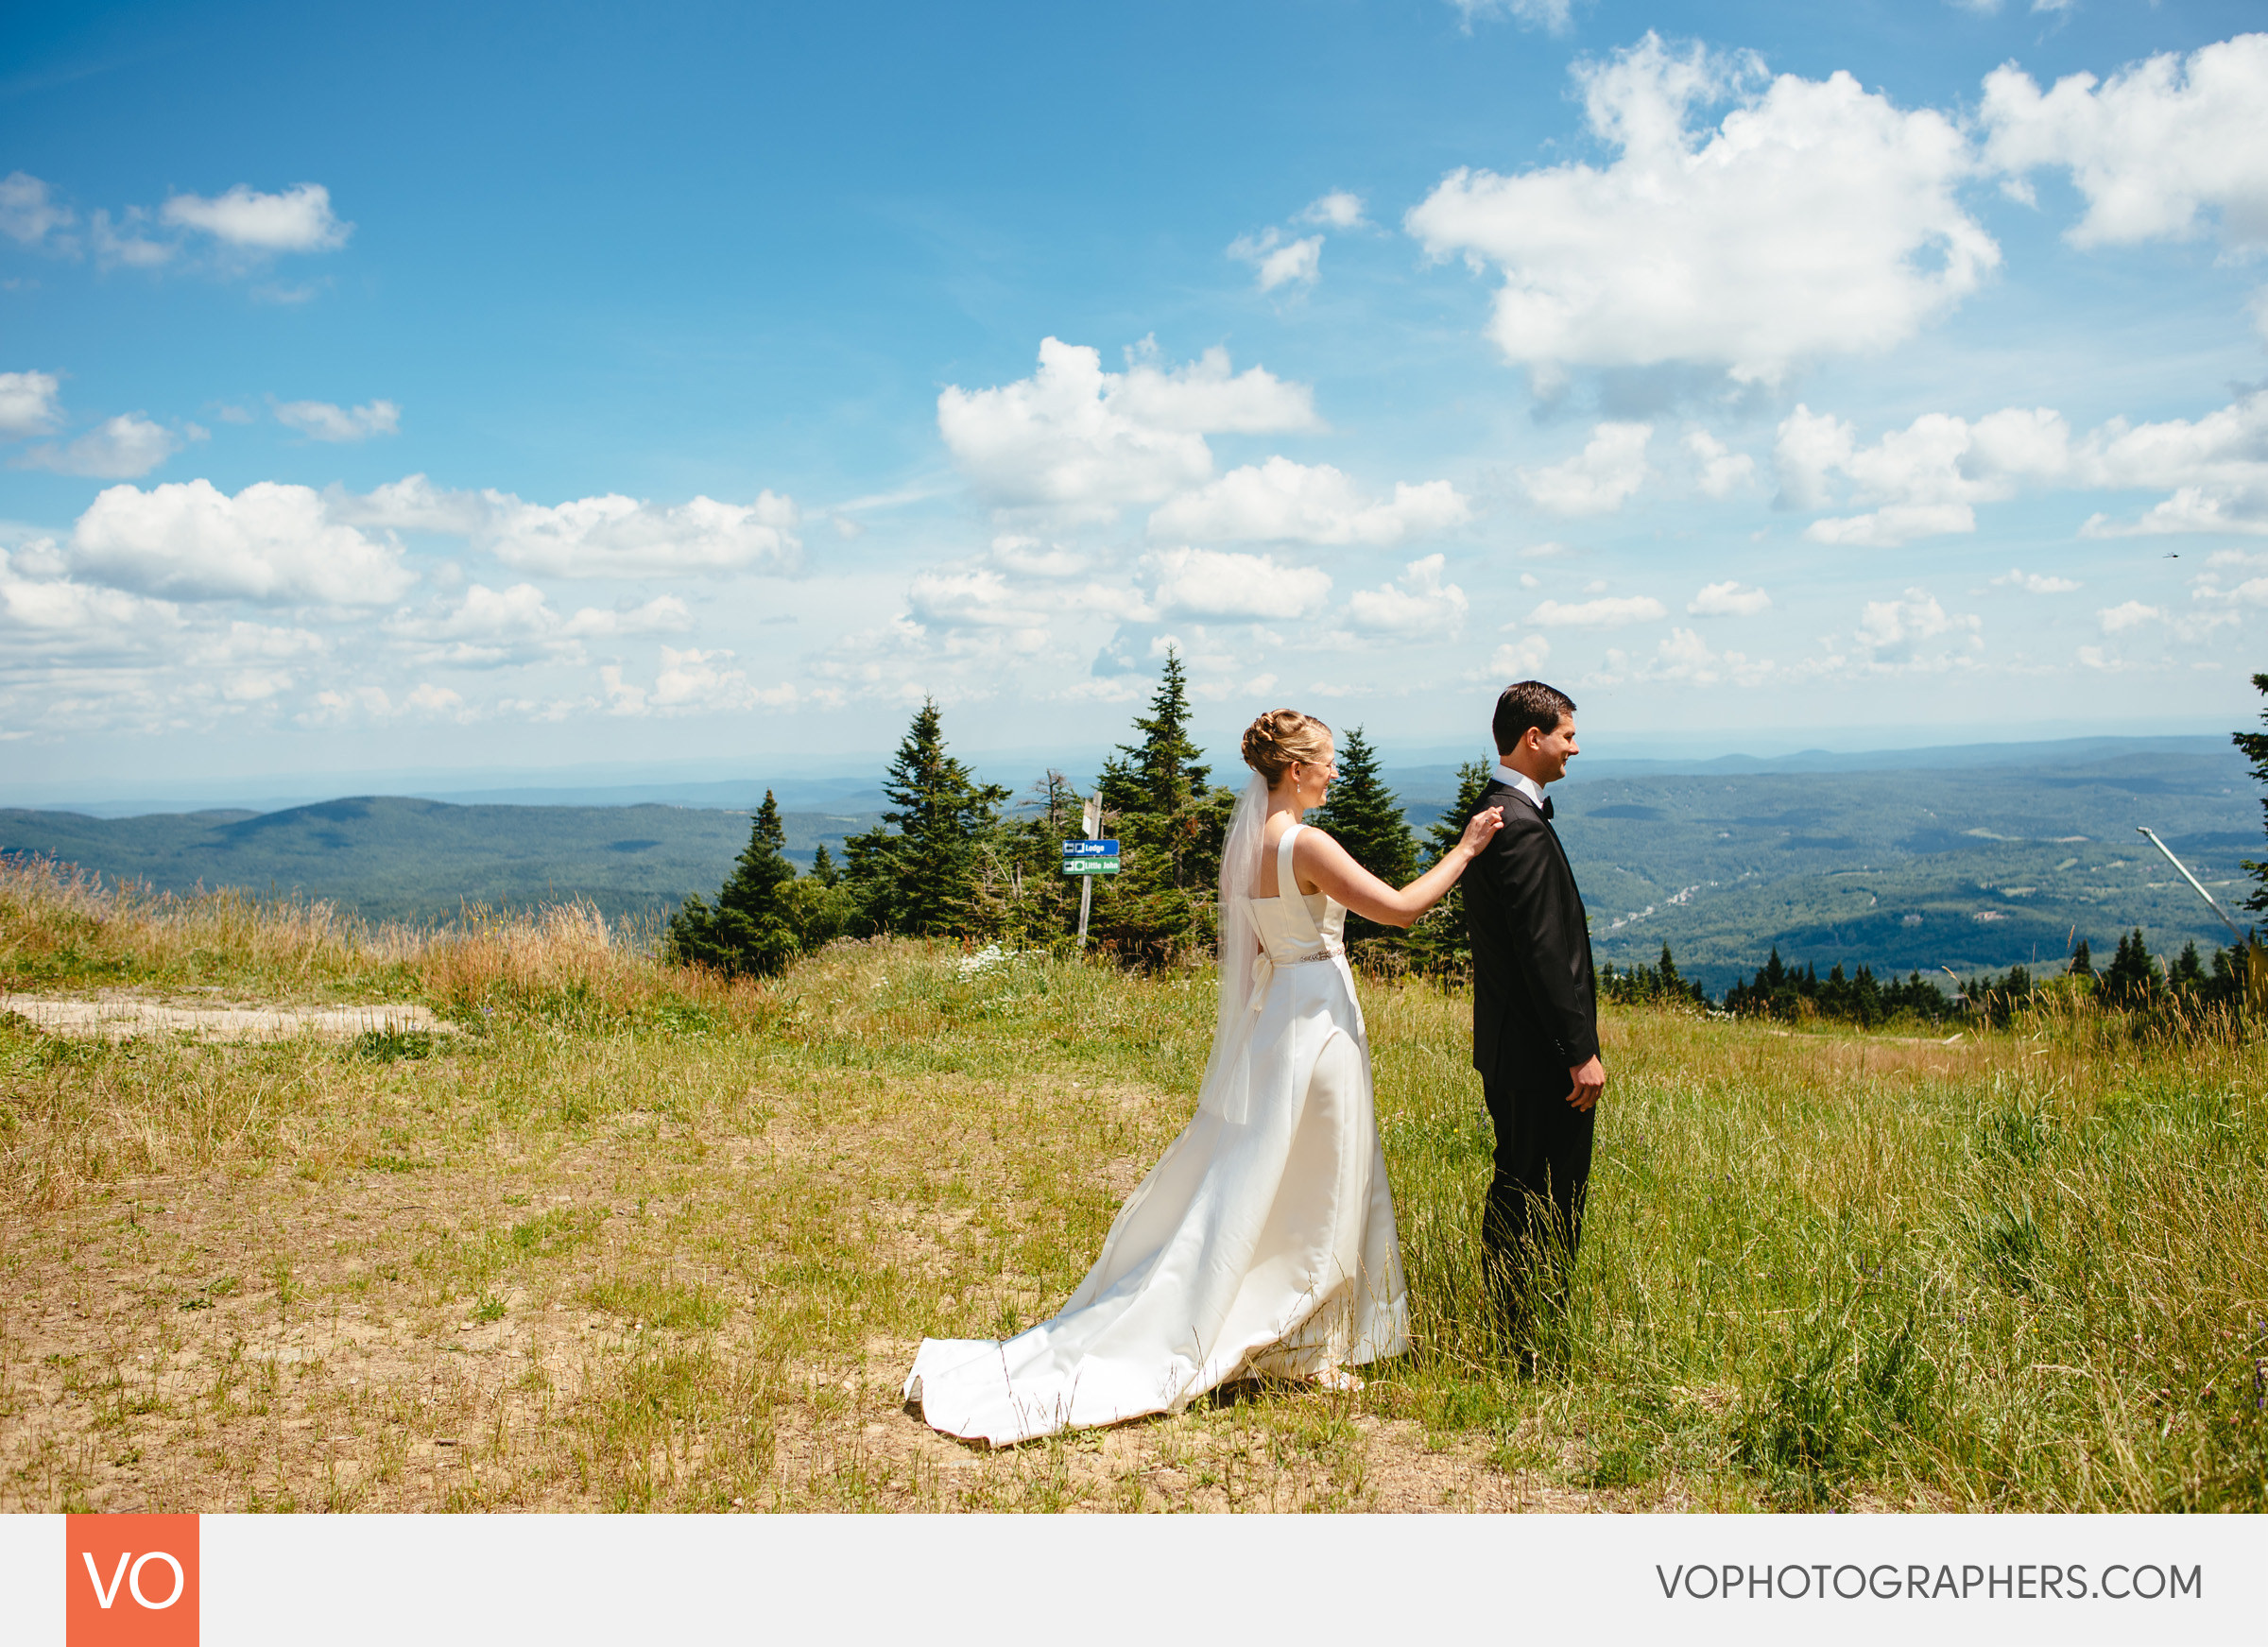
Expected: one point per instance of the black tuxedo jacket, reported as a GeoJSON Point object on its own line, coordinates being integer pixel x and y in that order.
{"type": "Point", "coordinates": [1534, 1005]}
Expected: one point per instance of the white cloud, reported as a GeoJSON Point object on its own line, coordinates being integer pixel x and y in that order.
{"type": "Point", "coordinates": [321, 420]}
{"type": "Point", "coordinates": [121, 448]}
{"type": "Point", "coordinates": [1728, 600]}
{"type": "Point", "coordinates": [54, 619]}
{"type": "Point", "coordinates": [2127, 616]}
{"type": "Point", "coordinates": [693, 682]}
{"type": "Point", "coordinates": [414, 503]}
{"type": "Point", "coordinates": [2253, 592]}
{"type": "Point", "coordinates": [270, 543]}
{"type": "Point", "coordinates": [1420, 606]}
{"type": "Point", "coordinates": [27, 215]}
{"type": "Point", "coordinates": [338, 706]}
{"type": "Point", "coordinates": [296, 219]}
{"type": "Point", "coordinates": [1894, 633]}
{"type": "Point", "coordinates": [487, 626]}
{"type": "Point", "coordinates": [247, 642]}
{"type": "Point", "coordinates": [1685, 658]}
{"type": "Point", "coordinates": [1724, 471]}
{"type": "Point", "coordinates": [1206, 396]}
{"type": "Point", "coordinates": [1337, 210]}
{"type": "Point", "coordinates": [2034, 582]}
{"type": "Point", "coordinates": [121, 244]}
{"type": "Point", "coordinates": [1207, 583]}
{"type": "Point", "coordinates": [619, 537]}
{"type": "Point", "coordinates": [27, 402]}
{"type": "Point", "coordinates": [1816, 219]}
{"type": "Point", "coordinates": [1009, 597]}
{"type": "Point", "coordinates": [427, 698]}
{"type": "Point", "coordinates": [1517, 660]}
{"type": "Point", "coordinates": [1892, 525]}
{"type": "Point", "coordinates": [1927, 477]}
{"type": "Point", "coordinates": [664, 614]}
{"type": "Point", "coordinates": [1036, 559]}
{"type": "Point", "coordinates": [1083, 443]}
{"type": "Point", "coordinates": [2152, 149]}
{"type": "Point", "coordinates": [1277, 261]}
{"type": "Point", "coordinates": [2217, 469]}
{"type": "Point", "coordinates": [1611, 468]}
{"type": "Point", "coordinates": [1287, 502]}
{"type": "Point", "coordinates": [1607, 612]}
{"type": "Point", "coordinates": [608, 536]}
{"type": "Point", "coordinates": [975, 597]}
{"type": "Point", "coordinates": [1551, 16]}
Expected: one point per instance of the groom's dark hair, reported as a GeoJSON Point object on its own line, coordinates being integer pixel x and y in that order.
{"type": "Point", "coordinates": [1525, 704]}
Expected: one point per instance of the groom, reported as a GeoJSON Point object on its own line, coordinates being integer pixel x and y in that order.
{"type": "Point", "coordinates": [1535, 1012]}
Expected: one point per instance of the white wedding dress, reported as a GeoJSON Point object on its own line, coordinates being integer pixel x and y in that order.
{"type": "Point", "coordinates": [1261, 1243]}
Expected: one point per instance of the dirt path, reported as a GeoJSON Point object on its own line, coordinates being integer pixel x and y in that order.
{"type": "Point", "coordinates": [117, 1017]}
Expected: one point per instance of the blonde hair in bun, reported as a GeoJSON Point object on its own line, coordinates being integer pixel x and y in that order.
{"type": "Point", "coordinates": [1281, 739]}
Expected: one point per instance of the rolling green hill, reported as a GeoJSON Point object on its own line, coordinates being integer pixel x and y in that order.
{"type": "Point", "coordinates": [1965, 861]}
{"type": "Point", "coordinates": [397, 859]}
{"type": "Point", "coordinates": [1967, 867]}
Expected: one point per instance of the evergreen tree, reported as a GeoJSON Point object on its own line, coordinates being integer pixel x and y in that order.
{"type": "Point", "coordinates": [822, 867]}
{"type": "Point", "coordinates": [1439, 942]}
{"type": "Point", "coordinates": [1170, 822]}
{"type": "Point", "coordinates": [1159, 775]}
{"type": "Point", "coordinates": [2083, 964]}
{"type": "Point", "coordinates": [1363, 816]}
{"type": "Point", "coordinates": [751, 929]}
{"type": "Point", "coordinates": [1658, 984]}
{"type": "Point", "coordinates": [2188, 976]}
{"type": "Point", "coordinates": [2255, 745]}
{"type": "Point", "coordinates": [918, 874]}
{"type": "Point", "coordinates": [1045, 902]}
{"type": "Point", "coordinates": [2131, 979]}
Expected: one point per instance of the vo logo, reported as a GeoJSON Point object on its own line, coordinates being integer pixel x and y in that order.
{"type": "Point", "coordinates": [131, 1581]}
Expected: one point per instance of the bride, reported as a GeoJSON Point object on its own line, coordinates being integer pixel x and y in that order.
{"type": "Point", "coordinates": [1263, 1242]}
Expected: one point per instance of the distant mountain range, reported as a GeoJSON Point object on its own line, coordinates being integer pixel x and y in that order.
{"type": "Point", "coordinates": [398, 858]}
{"type": "Point", "coordinates": [1972, 857]}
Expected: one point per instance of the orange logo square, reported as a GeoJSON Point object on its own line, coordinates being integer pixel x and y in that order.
{"type": "Point", "coordinates": [129, 1581]}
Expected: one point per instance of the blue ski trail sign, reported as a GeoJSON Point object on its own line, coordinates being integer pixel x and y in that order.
{"type": "Point", "coordinates": [1091, 858]}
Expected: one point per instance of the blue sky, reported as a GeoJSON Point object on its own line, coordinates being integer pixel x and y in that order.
{"type": "Point", "coordinates": [495, 388]}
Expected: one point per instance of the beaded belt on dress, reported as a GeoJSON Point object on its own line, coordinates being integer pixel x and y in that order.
{"type": "Point", "coordinates": [1265, 965]}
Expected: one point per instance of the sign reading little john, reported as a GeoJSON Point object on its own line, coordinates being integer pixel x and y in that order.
{"type": "Point", "coordinates": [1090, 857]}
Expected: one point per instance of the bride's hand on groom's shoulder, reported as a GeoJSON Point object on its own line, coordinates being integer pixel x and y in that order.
{"type": "Point", "coordinates": [1478, 829]}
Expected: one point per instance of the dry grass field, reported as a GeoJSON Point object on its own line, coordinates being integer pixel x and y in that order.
{"type": "Point", "coordinates": [613, 1235]}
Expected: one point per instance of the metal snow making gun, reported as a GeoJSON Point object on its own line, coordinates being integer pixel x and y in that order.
{"type": "Point", "coordinates": [2256, 982]}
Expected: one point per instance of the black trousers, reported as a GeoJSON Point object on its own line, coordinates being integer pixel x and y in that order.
{"type": "Point", "coordinates": [1534, 1217]}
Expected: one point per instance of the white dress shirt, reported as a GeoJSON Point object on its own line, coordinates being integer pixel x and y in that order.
{"type": "Point", "coordinates": [1521, 781]}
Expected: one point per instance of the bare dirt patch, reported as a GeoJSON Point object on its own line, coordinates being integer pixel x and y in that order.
{"type": "Point", "coordinates": [112, 1016]}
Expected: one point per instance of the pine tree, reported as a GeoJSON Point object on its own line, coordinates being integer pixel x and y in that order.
{"type": "Point", "coordinates": [1171, 824]}
{"type": "Point", "coordinates": [918, 874]}
{"type": "Point", "coordinates": [1159, 775]}
{"type": "Point", "coordinates": [2255, 745]}
{"type": "Point", "coordinates": [1439, 942]}
{"type": "Point", "coordinates": [1038, 904]}
{"type": "Point", "coordinates": [2083, 964]}
{"type": "Point", "coordinates": [2131, 980]}
{"type": "Point", "coordinates": [1364, 817]}
{"type": "Point", "coordinates": [822, 867]}
{"type": "Point", "coordinates": [2188, 976]}
{"type": "Point", "coordinates": [751, 929]}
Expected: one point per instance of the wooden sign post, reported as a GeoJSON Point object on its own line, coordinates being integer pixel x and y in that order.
{"type": "Point", "coordinates": [1089, 858]}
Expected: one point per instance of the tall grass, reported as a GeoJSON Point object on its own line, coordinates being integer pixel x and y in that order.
{"type": "Point", "coordinates": [60, 927]}
{"type": "Point", "coordinates": [2028, 1270]}
{"type": "Point", "coordinates": [643, 1239]}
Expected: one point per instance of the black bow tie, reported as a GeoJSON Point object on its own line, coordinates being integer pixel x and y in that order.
{"type": "Point", "coordinates": [1547, 809]}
